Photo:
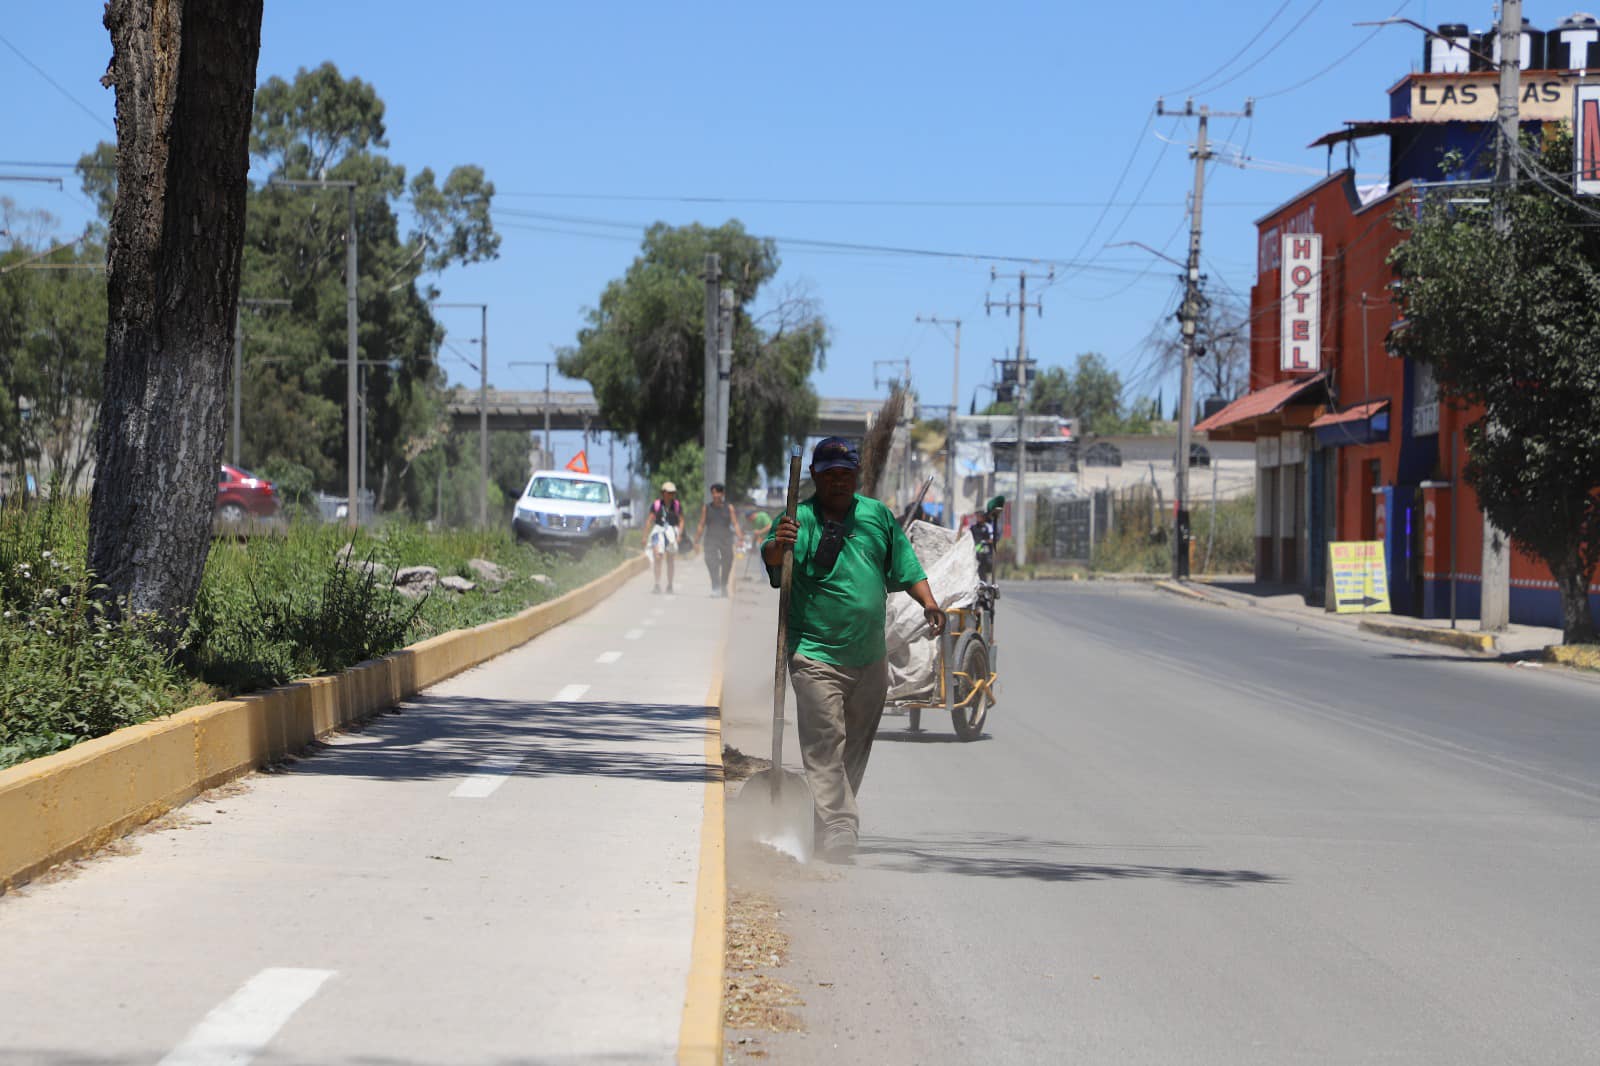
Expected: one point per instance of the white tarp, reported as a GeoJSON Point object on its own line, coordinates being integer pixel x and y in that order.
{"type": "Point", "coordinates": [952, 567]}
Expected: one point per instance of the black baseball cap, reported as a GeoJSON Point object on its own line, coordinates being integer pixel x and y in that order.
{"type": "Point", "coordinates": [835, 453]}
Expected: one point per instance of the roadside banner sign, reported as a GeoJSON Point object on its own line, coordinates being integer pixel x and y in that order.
{"type": "Point", "coordinates": [1360, 579]}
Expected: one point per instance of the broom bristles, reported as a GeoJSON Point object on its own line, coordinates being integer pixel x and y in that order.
{"type": "Point", "coordinates": [878, 440]}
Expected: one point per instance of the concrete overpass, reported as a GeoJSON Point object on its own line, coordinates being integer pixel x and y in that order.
{"type": "Point", "coordinates": [525, 412]}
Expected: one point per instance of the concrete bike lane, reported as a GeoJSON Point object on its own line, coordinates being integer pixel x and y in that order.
{"type": "Point", "coordinates": [502, 869]}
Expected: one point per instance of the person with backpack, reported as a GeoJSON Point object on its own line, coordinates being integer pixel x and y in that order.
{"type": "Point", "coordinates": [715, 534]}
{"type": "Point", "coordinates": [661, 532]}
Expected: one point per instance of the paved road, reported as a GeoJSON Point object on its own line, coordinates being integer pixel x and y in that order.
{"type": "Point", "coordinates": [1198, 835]}
{"type": "Point", "coordinates": [502, 872]}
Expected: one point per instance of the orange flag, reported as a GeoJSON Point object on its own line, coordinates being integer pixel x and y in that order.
{"type": "Point", "coordinates": [579, 463]}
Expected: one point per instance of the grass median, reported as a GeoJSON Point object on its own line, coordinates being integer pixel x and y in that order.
{"type": "Point", "coordinates": [305, 600]}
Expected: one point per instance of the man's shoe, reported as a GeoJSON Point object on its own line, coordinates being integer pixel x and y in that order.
{"type": "Point", "coordinates": [839, 848]}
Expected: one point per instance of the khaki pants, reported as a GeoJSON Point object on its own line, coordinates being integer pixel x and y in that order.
{"type": "Point", "coordinates": [837, 712]}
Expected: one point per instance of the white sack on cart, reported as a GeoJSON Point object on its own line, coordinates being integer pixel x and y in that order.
{"type": "Point", "coordinates": [951, 564]}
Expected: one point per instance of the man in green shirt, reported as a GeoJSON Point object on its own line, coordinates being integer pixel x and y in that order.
{"type": "Point", "coordinates": [849, 554]}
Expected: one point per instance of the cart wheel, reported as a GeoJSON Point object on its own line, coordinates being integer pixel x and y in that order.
{"type": "Point", "coordinates": [916, 719]}
{"type": "Point", "coordinates": [972, 659]}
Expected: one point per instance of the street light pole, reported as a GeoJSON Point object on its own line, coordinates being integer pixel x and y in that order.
{"type": "Point", "coordinates": [351, 385]}
{"type": "Point", "coordinates": [549, 455]}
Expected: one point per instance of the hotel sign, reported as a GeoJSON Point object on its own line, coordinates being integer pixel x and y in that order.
{"type": "Point", "coordinates": [1586, 139]}
{"type": "Point", "coordinates": [1300, 283]}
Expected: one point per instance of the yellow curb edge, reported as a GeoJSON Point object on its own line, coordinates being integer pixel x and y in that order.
{"type": "Point", "coordinates": [1454, 638]}
{"type": "Point", "coordinates": [66, 805]}
{"type": "Point", "coordinates": [1582, 656]}
{"type": "Point", "coordinates": [700, 1033]}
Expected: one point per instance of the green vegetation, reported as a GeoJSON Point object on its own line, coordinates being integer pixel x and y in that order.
{"type": "Point", "coordinates": [270, 610]}
{"type": "Point", "coordinates": [643, 352]}
{"type": "Point", "coordinates": [1508, 318]}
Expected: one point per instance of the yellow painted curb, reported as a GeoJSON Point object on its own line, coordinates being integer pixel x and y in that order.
{"type": "Point", "coordinates": [67, 804]}
{"type": "Point", "coordinates": [700, 1033]}
{"type": "Point", "coordinates": [1455, 638]}
{"type": "Point", "coordinates": [1583, 656]}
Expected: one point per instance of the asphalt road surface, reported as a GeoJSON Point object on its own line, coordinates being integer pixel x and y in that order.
{"type": "Point", "coordinates": [1200, 835]}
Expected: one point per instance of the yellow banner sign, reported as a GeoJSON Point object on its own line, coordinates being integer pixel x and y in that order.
{"type": "Point", "coordinates": [1546, 96]}
{"type": "Point", "coordinates": [1360, 579]}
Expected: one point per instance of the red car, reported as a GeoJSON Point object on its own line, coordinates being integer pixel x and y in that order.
{"type": "Point", "coordinates": [242, 495]}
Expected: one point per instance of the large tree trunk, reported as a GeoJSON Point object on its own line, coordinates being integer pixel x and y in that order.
{"type": "Point", "coordinates": [185, 73]}
{"type": "Point", "coordinates": [1577, 621]}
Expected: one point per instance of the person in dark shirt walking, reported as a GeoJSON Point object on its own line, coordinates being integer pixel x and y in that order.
{"type": "Point", "coordinates": [849, 554]}
{"type": "Point", "coordinates": [715, 534]}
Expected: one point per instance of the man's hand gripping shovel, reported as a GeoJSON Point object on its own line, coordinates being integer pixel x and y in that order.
{"type": "Point", "coordinates": [774, 807]}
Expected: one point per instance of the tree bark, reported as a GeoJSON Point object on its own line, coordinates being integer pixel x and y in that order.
{"type": "Point", "coordinates": [184, 73]}
{"type": "Point", "coordinates": [1577, 621]}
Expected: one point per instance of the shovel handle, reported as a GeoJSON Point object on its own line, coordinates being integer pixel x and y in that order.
{"type": "Point", "coordinates": [784, 583]}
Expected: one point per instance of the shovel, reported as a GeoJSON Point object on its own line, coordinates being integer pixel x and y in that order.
{"type": "Point", "coordinates": [775, 806]}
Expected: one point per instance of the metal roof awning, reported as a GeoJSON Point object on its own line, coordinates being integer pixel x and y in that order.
{"type": "Point", "coordinates": [1365, 423]}
{"type": "Point", "coordinates": [1292, 404]}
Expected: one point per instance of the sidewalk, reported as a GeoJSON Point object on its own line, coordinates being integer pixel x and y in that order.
{"type": "Point", "coordinates": [505, 868]}
{"type": "Point", "coordinates": [1518, 641]}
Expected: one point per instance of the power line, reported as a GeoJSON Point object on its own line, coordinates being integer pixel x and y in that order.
{"type": "Point", "coordinates": [1336, 63]}
{"type": "Point", "coordinates": [37, 69]}
{"type": "Point", "coordinates": [779, 201]}
{"type": "Point", "coordinates": [1236, 75]}
{"type": "Point", "coordinates": [1237, 55]}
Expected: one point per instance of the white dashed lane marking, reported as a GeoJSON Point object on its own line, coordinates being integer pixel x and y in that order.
{"type": "Point", "coordinates": [633, 634]}
{"type": "Point", "coordinates": [571, 692]}
{"type": "Point", "coordinates": [609, 657]}
{"type": "Point", "coordinates": [244, 1023]}
{"type": "Point", "coordinates": [489, 776]}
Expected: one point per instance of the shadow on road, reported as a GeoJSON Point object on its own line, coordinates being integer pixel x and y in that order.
{"type": "Point", "coordinates": [994, 855]}
{"type": "Point", "coordinates": [445, 737]}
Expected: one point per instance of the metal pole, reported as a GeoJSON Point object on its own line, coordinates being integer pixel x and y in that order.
{"type": "Point", "coordinates": [724, 382]}
{"type": "Point", "coordinates": [483, 419]}
{"type": "Point", "coordinates": [708, 432]}
{"type": "Point", "coordinates": [1020, 523]}
{"type": "Point", "coordinates": [1191, 315]}
{"type": "Point", "coordinates": [1494, 607]}
{"type": "Point", "coordinates": [238, 372]}
{"type": "Point", "coordinates": [549, 456]}
{"type": "Point", "coordinates": [351, 442]}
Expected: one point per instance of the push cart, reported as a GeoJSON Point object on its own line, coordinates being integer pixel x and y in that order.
{"type": "Point", "coordinates": [965, 668]}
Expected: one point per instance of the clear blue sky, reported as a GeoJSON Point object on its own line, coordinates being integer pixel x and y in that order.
{"type": "Point", "coordinates": [620, 108]}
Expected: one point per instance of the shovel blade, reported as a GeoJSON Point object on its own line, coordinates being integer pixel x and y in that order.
{"type": "Point", "coordinates": [774, 808]}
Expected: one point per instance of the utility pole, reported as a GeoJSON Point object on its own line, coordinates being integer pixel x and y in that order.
{"type": "Point", "coordinates": [1494, 611]}
{"type": "Point", "coordinates": [1019, 521]}
{"type": "Point", "coordinates": [950, 428]}
{"type": "Point", "coordinates": [483, 410]}
{"type": "Point", "coordinates": [904, 382]}
{"type": "Point", "coordinates": [708, 433]}
{"type": "Point", "coordinates": [724, 383]}
{"type": "Point", "coordinates": [549, 456]}
{"type": "Point", "coordinates": [351, 386]}
{"type": "Point", "coordinates": [1191, 321]}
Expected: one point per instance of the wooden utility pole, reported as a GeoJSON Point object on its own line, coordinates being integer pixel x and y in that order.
{"type": "Point", "coordinates": [1019, 520]}
{"type": "Point", "coordinates": [1494, 610]}
{"type": "Point", "coordinates": [1191, 321]}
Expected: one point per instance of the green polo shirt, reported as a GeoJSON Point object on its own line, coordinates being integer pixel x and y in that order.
{"type": "Point", "coordinates": [838, 617]}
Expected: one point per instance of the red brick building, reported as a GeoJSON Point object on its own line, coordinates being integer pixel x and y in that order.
{"type": "Point", "coordinates": [1352, 444]}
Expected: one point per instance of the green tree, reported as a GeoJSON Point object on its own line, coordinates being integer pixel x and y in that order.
{"type": "Point", "coordinates": [1510, 323]}
{"type": "Point", "coordinates": [1091, 392]}
{"type": "Point", "coordinates": [643, 349]}
{"type": "Point", "coordinates": [321, 124]}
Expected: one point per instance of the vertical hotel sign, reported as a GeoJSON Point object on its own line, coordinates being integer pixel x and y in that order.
{"type": "Point", "coordinates": [1586, 140]}
{"type": "Point", "coordinates": [1300, 342]}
